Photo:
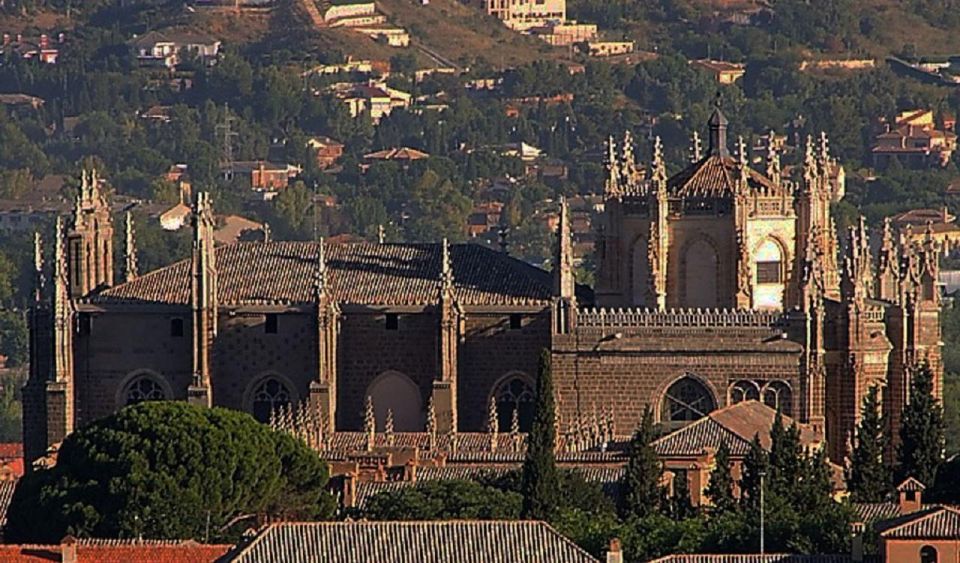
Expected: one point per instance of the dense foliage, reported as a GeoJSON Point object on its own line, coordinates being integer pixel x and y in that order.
{"type": "Point", "coordinates": [540, 483]}
{"type": "Point", "coordinates": [920, 453]}
{"type": "Point", "coordinates": [169, 470]}
{"type": "Point", "coordinates": [869, 478]}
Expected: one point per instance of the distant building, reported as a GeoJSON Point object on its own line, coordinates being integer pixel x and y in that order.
{"type": "Point", "coordinates": [40, 49]}
{"type": "Point", "coordinates": [914, 141]}
{"type": "Point", "coordinates": [564, 34]}
{"type": "Point", "coordinates": [722, 71]}
{"type": "Point", "coordinates": [525, 14]}
{"type": "Point", "coordinates": [328, 151]}
{"type": "Point", "coordinates": [264, 176]}
{"type": "Point", "coordinates": [609, 48]}
{"type": "Point", "coordinates": [403, 154]}
{"type": "Point", "coordinates": [73, 550]}
{"type": "Point", "coordinates": [164, 48]}
{"type": "Point", "coordinates": [373, 98]}
{"type": "Point", "coordinates": [21, 100]}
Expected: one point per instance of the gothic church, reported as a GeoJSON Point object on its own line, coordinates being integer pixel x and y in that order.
{"type": "Point", "coordinates": [715, 285]}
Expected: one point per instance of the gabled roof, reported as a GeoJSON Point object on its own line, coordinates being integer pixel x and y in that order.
{"type": "Point", "coordinates": [714, 176]}
{"type": "Point", "coordinates": [940, 522]}
{"type": "Point", "coordinates": [464, 541]}
{"type": "Point", "coordinates": [754, 558]}
{"type": "Point", "coordinates": [368, 274]}
{"type": "Point", "coordinates": [734, 425]}
{"type": "Point", "coordinates": [400, 153]}
{"type": "Point", "coordinates": [911, 485]}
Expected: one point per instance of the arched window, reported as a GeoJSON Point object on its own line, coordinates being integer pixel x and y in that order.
{"type": "Point", "coordinates": [515, 393]}
{"type": "Point", "coordinates": [143, 388]}
{"type": "Point", "coordinates": [777, 395]}
{"type": "Point", "coordinates": [269, 396]}
{"type": "Point", "coordinates": [744, 390]}
{"type": "Point", "coordinates": [928, 554]}
{"type": "Point", "coordinates": [700, 275]}
{"type": "Point", "coordinates": [686, 400]}
{"type": "Point", "coordinates": [769, 260]}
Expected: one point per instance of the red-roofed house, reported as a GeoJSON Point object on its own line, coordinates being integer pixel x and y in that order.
{"type": "Point", "coordinates": [115, 551]}
{"type": "Point", "coordinates": [915, 141]}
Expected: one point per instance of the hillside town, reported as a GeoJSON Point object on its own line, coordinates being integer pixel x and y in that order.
{"type": "Point", "coordinates": [482, 280]}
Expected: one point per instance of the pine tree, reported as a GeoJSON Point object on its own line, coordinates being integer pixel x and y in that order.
{"type": "Point", "coordinates": [720, 489]}
{"type": "Point", "coordinates": [642, 492]}
{"type": "Point", "coordinates": [921, 430]}
{"type": "Point", "coordinates": [869, 477]}
{"type": "Point", "coordinates": [540, 479]}
{"type": "Point", "coordinates": [755, 464]}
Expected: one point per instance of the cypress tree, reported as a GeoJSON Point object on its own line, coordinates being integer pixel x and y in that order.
{"type": "Point", "coordinates": [720, 489]}
{"type": "Point", "coordinates": [642, 493]}
{"type": "Point", "coordinates": [921, 430]}
{"type": "Point", "coordinates": [869, 477]}
{"type": "Point", "coordinates": [681, 506]}
{"type": "Point", "coordinates": [540, 480]}
{"type": "Point", "coordinates": [755, 463]}
{"type": "Point", "coordinates": [787, 459]}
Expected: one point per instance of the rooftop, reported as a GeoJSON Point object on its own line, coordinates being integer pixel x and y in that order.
{"type": "Point", "coordinates": [369, 274]}
{"type": "Point", "coordinates": [118, 551]}
{"type": "Point", "coordinates": [463, 541]}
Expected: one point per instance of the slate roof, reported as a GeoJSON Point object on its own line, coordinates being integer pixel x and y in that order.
{"type": "Point", "coordinates": [935, 523]}
{"type": "Point", "coordinates": [735, 425]}
{"type": "Point", "coordinates": [714, 176]}
{"type": "Point", "coordinates": [412, 542]}
{"type": "Point", "coordinates": [369, 274]}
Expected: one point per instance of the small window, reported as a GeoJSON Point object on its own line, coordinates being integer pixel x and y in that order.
{"type": "Point", "coordinates": [176, 328]}
{"type": "Point", "coordinates": [393, 321]}
{"type": "Point", "coordinates": [270, 324]}
{"type": "Point", "coordinates": [84, 324]}
{"type": "Point", "coordinates": [768, 272]}
{"type": "Point", "coordinates": [911, 496]}
{"type": "Point", "coordinates": [516, 321]}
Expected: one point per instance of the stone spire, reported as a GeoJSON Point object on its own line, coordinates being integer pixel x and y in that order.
{"type": "Point", "coordinates": [369, 424]}
{"type": "Point", "coordinates": [62, 310]}
{"type": "Point", "coordinates": [431, 424]}
{"type": "Point", "coordinates": [658, 168]}
{"type": "Point", "coordinates": [563, 276]}
{"type": "Point", "coordinates": [130, 271]}
{"type": "Point", "coordinates": [203, 298]}
{"type": "Point", "coordinates": [612, 187]}
{"type": "Point", "coordinates": [696, 148]}
{"type": "Point", "coordinates": [388, 431]}
{"type": "Point", "coordinates": [493, 423]}
{"type": "Point", "coordinates": [857, 279]}
{"type": "Point", "coordinates": [446, 271]}
{"type": "Point", "coordinates": [773, 159]}
{"type": "Point", "coordinates": [320, 272]}
{"type": "Point", "coordinates": [718, 130]}
{"type": "Point", "coordinates": [38, 278]}
{"type": "Point", "coordinates": [823, 154]}
{"type": "Point", "coordinates": [90, 239]}
{"type": "Point", "coordinates": [888, 266]}
{"type": "Point", "coordinates": [629, 174]}
{"type": "Point", "coordinates": [811, 172]}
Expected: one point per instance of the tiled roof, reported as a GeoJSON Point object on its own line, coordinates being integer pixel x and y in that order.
{"type": "Point", "coordinates": [413, 542]}
{"type": "Point", "coordinates": [119, 551]}
{"type": "Point", "coordinates": [11, 450]}
{"type": "Point", "coordinates": [6, 495]}
{"type": "Point", "coordinates": [940, 522]}
{"type": "Point", "coordinates": [714, 176]}
{"type": "Point", "coordinates": [735, 425]}
{"type": "Point", "coordinates": [874, 511]}
{"type": "Point", "coordinates": [754, 558]}
{"type": "Point", "coordinates": [911, 484]}
{"type": "Point", "coordinates": [370, 274]}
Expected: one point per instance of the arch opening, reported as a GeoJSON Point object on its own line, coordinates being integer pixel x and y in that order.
{"type": "Point", "coordinates": [515, 393]}
{"type": "Point", "coordinates": [398, 393]}
{"type": "Point", "coordinates": [686, 400]}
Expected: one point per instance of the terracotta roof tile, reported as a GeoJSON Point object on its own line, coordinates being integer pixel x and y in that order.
{"type": "Point", "coordinates": [413, 542]}
{"type": "Point", "coordinates": [754, 558]}
{"type": "Point", "coordinates": [119, 551]}
{"type": "Point", "coordinates": [370, 274]}
{"type": "Point", "coordinates": [940, 522]}
{"type": "Point", "coordinates": [713, 176]}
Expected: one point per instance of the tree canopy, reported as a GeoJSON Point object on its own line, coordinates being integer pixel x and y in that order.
{"type": "Point", "coordinates": [169, 470]}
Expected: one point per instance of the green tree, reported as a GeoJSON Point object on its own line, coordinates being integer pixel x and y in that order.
{"type": "Point", "coordinates": [170, 470]}
{"type": "Point", "coordinates": [755, 466]}
{"type": "Point", "coordinates": [681, 506]}
{"type": "Point", "coordinates": [787, 458]}
{"type": "Point", "coordinates": [540, 480]}
{"type": "Point", "coordinates": [869, 477]}
{"type": "Point", "coordinates": [642, 492]}
{"type": "Point", "coordinates": [14, 339]}
{"type": "Point", "coordinates": [445, 500]}
{"type": "Point", "coordinates": [921, 430]}
{"type": "Point", "coordinates": [720, 489]}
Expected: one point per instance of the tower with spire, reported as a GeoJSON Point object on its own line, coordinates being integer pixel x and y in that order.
{"type": "Point", "coordinates": [90, 239]}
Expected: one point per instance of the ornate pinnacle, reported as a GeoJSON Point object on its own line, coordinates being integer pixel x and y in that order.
{"type": "Point", "coordinates": [320, 273]}
{"type": "Point", "coordinates": [388, 427]}
{"type": "Point", "coordinates": [659, 172]}
{"type": "Point", "coordinates": [515, 420]}
{"type": "Point", "coordinates": [381, 234]}
{"type": "Point", "coordinates": [370, 424]}
{"type": "Point", "coordinates": [696, 148]}
{"type": "Point", "coordinates": [432, 423]}
{"type": "Point", "coordinates": [493, 424]}
{"type": "Point", "coordinates": [741, 152]}
{"type": "Point", "coordinates": [446, 273]}
{"type": "Point", "coordinates": [38, 266]}
{"type": "Point", "coordinates": [130, 250]}
{"type": "Point", "coordinates": [773, 158]}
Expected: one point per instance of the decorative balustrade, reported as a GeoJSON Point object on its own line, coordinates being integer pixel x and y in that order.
{"type": "Point", "coordinates": [677, 318]}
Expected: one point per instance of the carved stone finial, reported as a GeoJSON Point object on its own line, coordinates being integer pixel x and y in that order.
{"type": "Point", "coordinates": [320, 272]}
{"type": "Point", "coordinates": [696, 148]}
{"type": "Point", "coordinates": [381, 234]}
{"type": "Point", "coordinates": [370, 424]}
{"type": "Point", "coordinates": [38, 267]}
{"type": "Point", "coordinates": [446, 268]}
{"type": "Point", "coordinates": [515, 421]}
{"type": "Point", "coordinates": [388, 428]}
{"type": "Point", "coordinates": [431, 424]}
{"type": "Point", "coordinates": [493, 423]}
{"type": "Point", "coordinates": [130, 250]}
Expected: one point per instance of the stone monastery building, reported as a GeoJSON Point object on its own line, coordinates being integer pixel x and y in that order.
{"type": "Point", "coordinates": [716, 285]}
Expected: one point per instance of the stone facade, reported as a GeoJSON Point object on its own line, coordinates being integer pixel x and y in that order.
{"type": "Point", "coordinates": [716, 285]}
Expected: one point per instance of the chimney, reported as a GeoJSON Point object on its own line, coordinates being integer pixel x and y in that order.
{"type": "Point", "coordinates": [856, 542]}
{"type": "Point", "coordinates": [68, 549]}
{"type": "Point", "coordinates": [946, 214]}
{"type": "Point", "coordinates": [349, 489]}
{"type": "Point", "coordinates": [910, 495]}
{"type": "Point", "coordinates": [615, 551]}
